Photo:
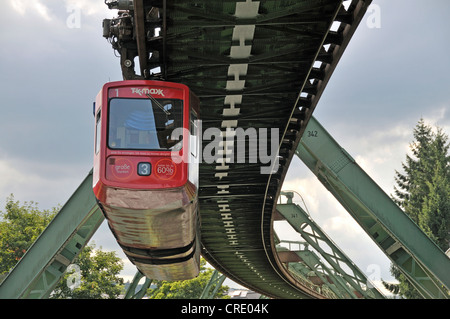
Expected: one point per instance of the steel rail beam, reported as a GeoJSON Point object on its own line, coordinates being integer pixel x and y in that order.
{"type": "Point", "coordinates": [131, 291]}
{"type": "Point", "coordinates": [45, 262]}
{"type": "Point", "coordinates": [224, 51]}
{"type": "Point", "coordinates": [319, 240]}
{"type": "Point", "coordinates": [357, 11]}
{"type": "Point", "coordinates": [403, 242]}
{"type": "Point", "coordinates": [308, 261]}
{"type": "Point", "coordinates": [213, 285]}
{"type": "Point", "coordinates": [139, 16]}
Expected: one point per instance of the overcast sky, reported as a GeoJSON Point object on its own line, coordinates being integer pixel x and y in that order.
{"type": "Point", "coordinates": [53, 61]}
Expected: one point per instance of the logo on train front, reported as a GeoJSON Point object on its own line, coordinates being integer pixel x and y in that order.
{"type": "Point", "coordinates": [122, 168]}
{"type": "Point", "coordinates": [165, 169]}
{"type": "Point", "coordinates": [145, 91]}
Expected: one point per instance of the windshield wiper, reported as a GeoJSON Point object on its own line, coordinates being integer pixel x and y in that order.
{"type": "Point", "coordinates": [157, 103]}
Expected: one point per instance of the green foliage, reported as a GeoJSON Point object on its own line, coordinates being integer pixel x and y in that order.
{"type": "Point", "coordinates": [20, 225]}
{"type": "Point", "coordinates": [423, 191]}
{"type": "Point", "coordinates": [96, 273]}
{"type": "Point", "coordinates": [187, 289]}
{"type": "Point", "coordinates": [434, 218]}
{"type": "Point", "coordinates": [412, 185]}
{"type": "Point", "coordinates": [96, 277]}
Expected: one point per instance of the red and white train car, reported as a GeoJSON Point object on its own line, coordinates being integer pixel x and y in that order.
{"type": "Point", "coordinates": [145, 175]}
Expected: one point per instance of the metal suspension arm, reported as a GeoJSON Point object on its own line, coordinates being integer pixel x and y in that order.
{"type": "Point", "coordinates": [316, 237]}
{"type": "Point", "coordinates": [416, 255]}
{"type": "Point", "coordinates": [40, 269]}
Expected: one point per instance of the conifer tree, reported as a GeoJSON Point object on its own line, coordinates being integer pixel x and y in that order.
{"type": "Point", "coordinates": [411, 185]}
{"type": "Point", "coordinates": [434, 217]}
{"type": "Point", "coordinates": [423, 192]}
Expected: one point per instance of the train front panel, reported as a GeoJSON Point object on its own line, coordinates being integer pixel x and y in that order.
{"type": "Point", "coordinates": [142, 177]}
{"type": "Point", "coordinates": [141, 146]}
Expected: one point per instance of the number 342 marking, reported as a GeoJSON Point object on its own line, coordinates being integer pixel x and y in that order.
{"type": "Point", "coordinates": [312, 133]}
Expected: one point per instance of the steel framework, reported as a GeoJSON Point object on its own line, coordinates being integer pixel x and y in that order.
{"type": "Point", "coordinates": [417, 256]}
{"type": "Point", "coordinates": [254, 64]}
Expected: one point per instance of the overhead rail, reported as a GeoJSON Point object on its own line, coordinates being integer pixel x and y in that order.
{"type": "Point", "coordinates": [254, 65]}
{"type": "Point", "coordinates": [407, 246]}
{"type": "Point", "coordinates": [37, 273]}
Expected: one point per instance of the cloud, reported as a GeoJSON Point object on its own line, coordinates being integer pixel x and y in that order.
{"type": "Point", "coordinates": [332, 218]}
{"type": "Point", "coordinates": [337, 224]}
{"type": "Point", "coordinates": [306, 192]}
{"type": "Point", "coordinates": [387, 79]}
{"type": "Point", "coordinates": [25, 6]}
{"type": "Point", "coordinates": [46, 183]}
{"type": "Point", "coordinates": [19, 5]}
{"type": "Point", "coordinates": [439, 116]}
{"type": "Point", "coordinates": [89, 7]}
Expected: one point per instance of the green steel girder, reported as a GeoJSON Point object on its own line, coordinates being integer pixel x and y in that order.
{"type": "Point", "coordinates": [311, 262]}
{"type": "Point", "coordinates": [236, 200]}
{"type": "Point", "coordinates": [300, 29]}
{"type": "Point", "coordinates": [337, 259]}
{"type": "Point", "coordinates": [213, 285]}
{"type": "Point", "coordinates": [131, 292]}
{"type": "Point", "coordinates": [40, 269]}
{"type": "Point", "coordinates": [327, 289]}
{"type": "Point", "coordinates": [408, 247]}
{"type": "Point", "coordinates": [331, 280]}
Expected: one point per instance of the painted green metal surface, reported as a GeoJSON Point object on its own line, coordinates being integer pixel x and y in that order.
{"type": "Point", "coordinates": [275, 84]}
{"type": "Point", "coordinates": [254, 64]}
{"type": "Point", "coordinates": [417, 256]}
{"type": "Point", "coordinates": [344, 273]}
{"type": "Point", "coordinates": [213, 285]}
{"type": "Point", "coordinates": [46, 260]}
{"type": "Point", "coordinates": [131, 291]}
{"type": "Point", "coordinates": [308, 267]}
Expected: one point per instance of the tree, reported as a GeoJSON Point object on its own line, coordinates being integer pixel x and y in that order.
{"type": "Point", "coordinates": [423, 192]}
{"type": "Point", "coordinates": [20, 225]}
{"type": "Point", "coordinates": [187, 289]}
{"type": "Point", "coordinates": [95, 277]}
{"type": "Point", "coordinates": [434, 217]}
{"type": "Point", "coordinates": [411, 186]}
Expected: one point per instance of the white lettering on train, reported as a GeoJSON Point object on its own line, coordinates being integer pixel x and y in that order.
{"type": "Point", "coordinates": [145, 91]}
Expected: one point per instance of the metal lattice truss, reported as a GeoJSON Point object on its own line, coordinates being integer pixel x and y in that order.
{"type": "Point", "coordinates": [255, 65]}
{"type": "Point", "coordinates": [336, 271]}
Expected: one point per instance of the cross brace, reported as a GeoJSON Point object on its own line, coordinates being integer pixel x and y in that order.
{"type": "Point", "coordinates": [351, 283]}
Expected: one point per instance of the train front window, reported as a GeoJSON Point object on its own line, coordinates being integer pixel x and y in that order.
{"type": "Point", "coordinates": [144, 124]}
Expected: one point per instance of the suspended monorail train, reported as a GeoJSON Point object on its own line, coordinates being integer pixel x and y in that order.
{"type": "Point", "coordinates": [145, 175]}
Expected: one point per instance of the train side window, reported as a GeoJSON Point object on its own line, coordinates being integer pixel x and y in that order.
{"type": "Point", "coordinates": [98, 131]}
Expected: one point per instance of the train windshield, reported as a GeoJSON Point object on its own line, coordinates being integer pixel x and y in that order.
{"type": "Point", "coordinates": [144, 124]}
